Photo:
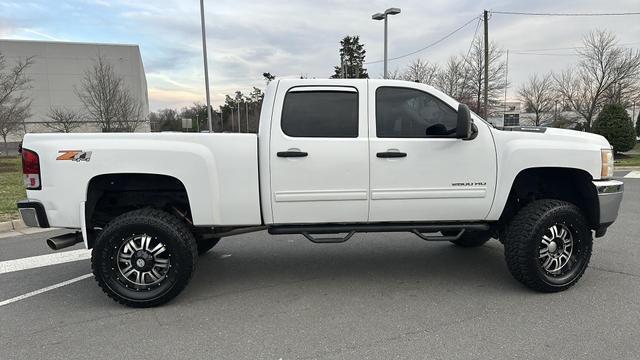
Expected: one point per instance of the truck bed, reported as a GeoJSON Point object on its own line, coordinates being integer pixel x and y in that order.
{"type": "Point", "coordinates": [219, 171]}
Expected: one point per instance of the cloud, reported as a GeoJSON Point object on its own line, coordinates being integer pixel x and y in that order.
{"type": "Point", "coordinates": [289, 38]}
{"type": "Point", "coordinates": [42, 35]}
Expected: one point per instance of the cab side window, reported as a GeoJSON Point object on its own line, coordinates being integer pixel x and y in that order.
{"type": "Point", "coordinates": [411, 113]}
{"type": "Point", "coordinates": [320, 114]}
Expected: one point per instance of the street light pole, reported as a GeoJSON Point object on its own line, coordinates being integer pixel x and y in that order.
{"type": "Point", "coordinates": [206, 67]}
{"type": "Point", "coordinates": [384, 16]}
{"type": "Point", "coordinates": [386, 53]}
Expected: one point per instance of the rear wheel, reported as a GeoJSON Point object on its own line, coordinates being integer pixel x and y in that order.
{"type": "Point", "coordinates": [548, 245]}
{"type": "Point", "coordinates": [144, 258]}
{"type": "Point", "coordinates": [469, 239]}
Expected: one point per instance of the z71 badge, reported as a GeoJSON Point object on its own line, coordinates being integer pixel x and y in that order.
{"type": "Point", "coordinates": [74, 155]}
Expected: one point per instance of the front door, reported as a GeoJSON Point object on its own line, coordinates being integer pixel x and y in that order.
{"type": "Point", "coordinates": [419, 170]}
{"type": "Point", "coordinates": [319, 154]}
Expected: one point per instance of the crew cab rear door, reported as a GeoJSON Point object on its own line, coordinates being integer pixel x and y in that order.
{"type": "Point", "coordinates": [419, 170]}
{"type": "Point", "coordinates": [319, 153]}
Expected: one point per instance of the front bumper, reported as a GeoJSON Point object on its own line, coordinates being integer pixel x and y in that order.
{"type": "Point", "coordinates": [609, 199]}
{"type": "Point", "coordinates": [32, 213]}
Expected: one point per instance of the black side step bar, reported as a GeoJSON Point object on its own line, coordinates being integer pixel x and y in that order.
{"type": "Point", "coordinates": [328, 240]}
{"type": "Point", "coordinates": [418, 229]}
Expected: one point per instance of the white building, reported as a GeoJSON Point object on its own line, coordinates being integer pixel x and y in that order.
{"type": "Point", "coordinates": [58, 70]}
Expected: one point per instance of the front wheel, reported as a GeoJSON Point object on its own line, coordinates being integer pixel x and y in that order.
{"type": "Point", "coordinates": [144, 258]}
{"type": "Point", "coordinates": [548, 245]}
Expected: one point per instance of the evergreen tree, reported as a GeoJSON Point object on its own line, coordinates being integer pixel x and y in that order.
{"type": "Point", "coordinates": [268, 77]}
{"type": "Point", "coordinates": [352, 54]}
{"type": "Point", "coordinates": [614, 123]}
{"type": "Point", "coordinates": [638, 126]}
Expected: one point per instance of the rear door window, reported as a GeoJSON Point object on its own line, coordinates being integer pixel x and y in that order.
{"type": "Point", "coordinates": [332, 114]}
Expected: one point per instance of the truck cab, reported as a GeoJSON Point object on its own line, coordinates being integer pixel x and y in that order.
{"type": "Point", "coordinates": [373, 151]}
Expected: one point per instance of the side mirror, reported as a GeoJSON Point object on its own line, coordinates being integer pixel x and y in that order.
{"type": "Point", "coordinates": [465, 129]}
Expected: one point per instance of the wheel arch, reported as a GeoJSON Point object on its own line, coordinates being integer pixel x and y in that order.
{"type": "Point", "coordinates": [562, 183]}
{"type": "Point", "coordinates": [109, 195]}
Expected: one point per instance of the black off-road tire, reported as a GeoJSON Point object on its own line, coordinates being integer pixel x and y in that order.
{"type": "Point", "coordinates": [205, 245]}
{"type": "Point", "coordinates": [181, 250]}
{"type": "Point", "coordinates": [523, 238]}
{"type": "Point", "coordinates": [469, 239]}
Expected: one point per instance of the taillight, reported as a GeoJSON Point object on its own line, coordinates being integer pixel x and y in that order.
{"type": "Point", "coordinates": [31, 169]}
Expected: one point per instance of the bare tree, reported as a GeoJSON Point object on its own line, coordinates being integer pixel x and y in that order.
{"type": "Point", "coordinates": [475, 76]}
{"type": "Point", "coordinates": [538, 96]}
{"type": "Point", "coordinates": [107, 100]}
{"type": "Point", "coordinates": [605, 73]}
{"type": "Point", "coordinates": [129, 116]}
{"type": "Point", "coordinates": [451, 79]}
{"type": "Point", "coordinates": [64, 120]}
{"type": "Point", "coordinates": [421, 71]}
{"type": "Point", "coordinates": [168, 119]}
{"type": "Point", "coordinates": [394, 74]}
{"type": "Point", "coordinates": [15, 105]}
{"type": "Point", "coordinates": [624, 92]}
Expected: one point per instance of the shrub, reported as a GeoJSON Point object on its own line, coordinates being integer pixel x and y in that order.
{"type": "Point", "coordinates": [614, 123]}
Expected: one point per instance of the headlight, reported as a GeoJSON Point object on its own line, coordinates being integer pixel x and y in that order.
{"type": "Point", "coordinates": [607, 164]}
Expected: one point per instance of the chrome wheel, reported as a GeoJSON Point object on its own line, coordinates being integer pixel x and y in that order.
{"type": "Point", "coordinates": [556, 248]}
{"type": "Point", "coordinates": [143, 262]}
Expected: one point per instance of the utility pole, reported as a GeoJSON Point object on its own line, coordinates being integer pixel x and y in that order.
{"type": "Point", "coordinates": [206, 67]}
{"type": "Point", "coordinates": [486, 64]}
{"type": "Point", "coordinates": [246, 110]}
{"type": "Point", "coordinates": [232, 124]}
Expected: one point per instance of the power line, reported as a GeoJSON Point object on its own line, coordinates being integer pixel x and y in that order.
{"type": "Point", "coordinates": [566, 48]}
{"type": "Point", "coordinates": [548, 49]}
{"type": "Point", "coordinates": [542, 54]}
{"type": "Point", "coordinates": [465, 59]}
{"type": "Point", "coordinates": [427, 46]}
{"type": "Point", "coordinates": [563, 14]}
{"type": "Point", "coordinates": [473, 39]}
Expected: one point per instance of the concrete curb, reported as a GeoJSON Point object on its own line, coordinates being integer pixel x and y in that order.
{"type": "Point", "coordinates": [12, 225]}
{"type": "Point", "coordinates": [6, 226]}
{"type": "Point", "coordinates": [17, 228]}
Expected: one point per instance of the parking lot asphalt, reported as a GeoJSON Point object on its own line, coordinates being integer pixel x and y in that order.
{"type": "Point", "coordinates": [378, 296]}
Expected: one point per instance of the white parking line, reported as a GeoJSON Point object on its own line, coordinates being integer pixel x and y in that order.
{"type": "Point", "coordinates": [633, 175]}
{"type": "Point", "coordinates": [40, 291]}
{"type": "Point", "coordinates": [43, 260]}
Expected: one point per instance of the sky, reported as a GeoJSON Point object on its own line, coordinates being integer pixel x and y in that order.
{"type": "Point", "coordinates": [301, 37]}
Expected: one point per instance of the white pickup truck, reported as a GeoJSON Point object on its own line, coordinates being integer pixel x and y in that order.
{"type": "Point", "coordinates": [331, 158]}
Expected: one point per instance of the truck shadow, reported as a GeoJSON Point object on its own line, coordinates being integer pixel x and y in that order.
{"type": "Point", "coordinates": [369, 260]}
